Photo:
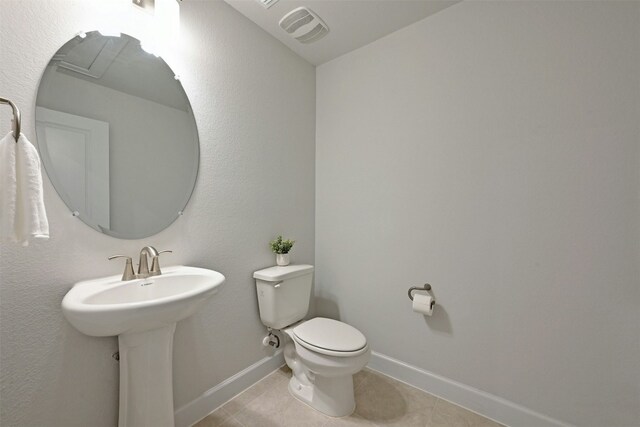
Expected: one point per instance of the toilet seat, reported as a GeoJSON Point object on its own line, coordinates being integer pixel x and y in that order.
{"type": "Point", "coordinates": [330, 337]}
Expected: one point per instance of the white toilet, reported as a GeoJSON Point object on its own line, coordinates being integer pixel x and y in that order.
{"type": "Point", "coordinates": [322, 353]}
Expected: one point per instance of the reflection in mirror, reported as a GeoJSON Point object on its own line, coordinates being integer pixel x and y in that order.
{"type": "Point", "coordinates": [117, 135]}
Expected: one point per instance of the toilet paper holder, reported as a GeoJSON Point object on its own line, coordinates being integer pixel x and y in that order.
{"type": "Point", "coordinates": [426, 287]}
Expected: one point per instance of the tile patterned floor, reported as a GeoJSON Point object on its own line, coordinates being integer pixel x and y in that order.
{"type": "Point", "coordinates": [380, 401]}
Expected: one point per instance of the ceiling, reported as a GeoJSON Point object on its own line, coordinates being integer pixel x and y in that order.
{"type": "Point", "coordinates": [352, 23]}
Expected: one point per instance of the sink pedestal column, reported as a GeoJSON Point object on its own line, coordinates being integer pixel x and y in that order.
{"type": "Point", "coordinates": [146, 380]}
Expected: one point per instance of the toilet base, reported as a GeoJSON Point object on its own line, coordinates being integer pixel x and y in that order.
{"type": "Point", "coordinates": [331, 396]}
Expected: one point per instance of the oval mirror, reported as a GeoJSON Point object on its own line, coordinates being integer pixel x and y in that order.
{"type": "Point", "coordinates": [117, 135]}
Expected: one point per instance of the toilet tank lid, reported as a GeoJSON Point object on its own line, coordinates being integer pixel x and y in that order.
{"type": "Point", "coordinates": [278, 273]}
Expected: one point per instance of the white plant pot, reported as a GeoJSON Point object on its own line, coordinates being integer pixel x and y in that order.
{"type": "Point", "coordinates": [282, 259]}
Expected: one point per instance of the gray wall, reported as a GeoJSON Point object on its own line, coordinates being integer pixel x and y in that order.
{"type": "Point", "coordinates": [254, 104]}
{"type": "Point", "coordinates": [492, 150]}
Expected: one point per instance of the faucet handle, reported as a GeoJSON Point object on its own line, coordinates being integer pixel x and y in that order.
{"type": "Point", "coordinates": [155, 264]}
{"type": "Point", "coordinates": [128, 267]}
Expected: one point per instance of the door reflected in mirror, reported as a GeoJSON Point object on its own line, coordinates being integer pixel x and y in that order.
{"type": "Point", "coordinates": [117, 135]}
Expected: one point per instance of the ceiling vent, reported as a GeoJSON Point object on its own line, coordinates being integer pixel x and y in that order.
{"type": "Point", "coordinates": [304, 25]}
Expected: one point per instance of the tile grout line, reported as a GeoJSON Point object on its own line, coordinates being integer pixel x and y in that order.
{"type": "Point", "coordinates": [232, 415]}
{"type": "Point", "coordinates": [274, 373]}
{"type": "Point", "coordinates": [433, 411]}
{"type": "Point", "coordinates": [236, 420]}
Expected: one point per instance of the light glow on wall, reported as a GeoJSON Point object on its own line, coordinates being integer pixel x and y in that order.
{"type": "Point", "coordinates": [157, 28]}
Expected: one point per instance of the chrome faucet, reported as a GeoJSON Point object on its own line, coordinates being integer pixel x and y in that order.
{"type": "Point", "coordinates": [143, 265]}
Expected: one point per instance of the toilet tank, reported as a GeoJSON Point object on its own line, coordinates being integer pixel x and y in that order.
{"type": "Point", "coordinates": [283, 294]}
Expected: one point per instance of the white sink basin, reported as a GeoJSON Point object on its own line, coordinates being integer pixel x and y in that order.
{"type": "Point", "coordinates": [109, 306]}
{"type": "Point", "coordinates": [143, 313]}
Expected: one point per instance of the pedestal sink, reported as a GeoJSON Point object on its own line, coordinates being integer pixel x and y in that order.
{"type": "Point", "coordinates": [143, 314]}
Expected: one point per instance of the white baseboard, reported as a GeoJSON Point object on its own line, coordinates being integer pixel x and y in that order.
{"type": "Point", "coordinates": [483, 403]}
{"type": "Point", "coordinates": [194, 411]}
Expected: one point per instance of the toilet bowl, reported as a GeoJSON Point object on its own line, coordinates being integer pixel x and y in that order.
{"type": "Point", "coordinates": [322, 353]}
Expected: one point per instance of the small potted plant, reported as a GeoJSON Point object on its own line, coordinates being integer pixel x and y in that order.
{"type": "Point", "coordinates": [281, 248]}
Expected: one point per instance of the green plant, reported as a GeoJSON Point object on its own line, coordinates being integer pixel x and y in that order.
{"type": "Point", "coordinates": [280, 246]}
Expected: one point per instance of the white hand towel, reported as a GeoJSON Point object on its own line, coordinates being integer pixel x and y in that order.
{"type": "Point", "coordinates": [22, 212]}
{"type": "Point", "coordinates": [8, 188]}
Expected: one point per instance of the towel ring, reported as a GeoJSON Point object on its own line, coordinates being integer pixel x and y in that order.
{"type": "Point", "coordinates": [16, 117]}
